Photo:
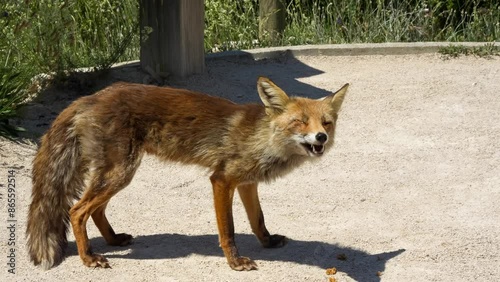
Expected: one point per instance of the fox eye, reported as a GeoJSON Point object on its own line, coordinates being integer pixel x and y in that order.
{"type": "Point", "coordinates": [327, 123]}
{"type": "Point", "coordinates": [299, 121]}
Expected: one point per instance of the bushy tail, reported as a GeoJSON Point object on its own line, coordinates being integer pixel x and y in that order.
{"type": "Point", "coordinates": [57, 181]}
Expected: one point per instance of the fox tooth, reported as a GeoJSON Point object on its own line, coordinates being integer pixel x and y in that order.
{"type": "Point", "coordinates": [318, 149]}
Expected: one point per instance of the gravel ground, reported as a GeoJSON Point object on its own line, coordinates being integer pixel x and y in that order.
{"type": "Point", "coordinates": [410, 192]}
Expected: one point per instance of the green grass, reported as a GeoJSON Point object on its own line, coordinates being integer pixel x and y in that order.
{"type": "Point", "coordinates": [53, 36]}
{"type": "Point", "coordinates": [234, 24]}
{"type": "Point", "coordinates": [454, 51]}
{"type": "Point", "coordinates": [56, 36]}
{"type": "Point", "coordinates": [12, 93]}
{"type": "Point", "coordinates": [231, 25]}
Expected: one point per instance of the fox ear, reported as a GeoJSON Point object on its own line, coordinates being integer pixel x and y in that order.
{"type": "Point", "coordinates": [272, 96]}
{"type": "Point", "coordinates": [335, 100]}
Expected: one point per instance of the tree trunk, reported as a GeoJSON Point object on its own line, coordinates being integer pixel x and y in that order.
{"type": "Point", "coordinates": [172, 37]}
{"type": "Point", "coordinates": [271, 20]}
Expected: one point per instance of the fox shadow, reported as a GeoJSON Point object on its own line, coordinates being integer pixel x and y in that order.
{"type": "Point", "coordinates": [358, 264]}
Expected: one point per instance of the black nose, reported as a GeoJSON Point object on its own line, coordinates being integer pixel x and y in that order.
{"type": "Point", "coordinates": [321, 137]}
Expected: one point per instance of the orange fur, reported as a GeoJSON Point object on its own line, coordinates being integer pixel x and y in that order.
{"type": "Point", "coordinates": [96, 144]}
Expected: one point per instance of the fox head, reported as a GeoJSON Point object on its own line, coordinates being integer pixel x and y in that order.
{"type": "Point", "coordinates": [301, 125]}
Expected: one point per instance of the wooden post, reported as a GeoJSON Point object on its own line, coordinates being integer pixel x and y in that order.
{"type": "Point", "coordinates": [271, 19]}
{"type": "Point", "coordinates": [172, 37]}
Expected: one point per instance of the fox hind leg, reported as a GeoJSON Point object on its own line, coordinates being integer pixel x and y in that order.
{"type": "Point", "coordinates": [105, 183]}
{"type": "Point", "coordinates": [250, 198]}
{"type": "Point", "coordinates": [79, 214]}
{"type": "Point", "coordinates": [107, 231]}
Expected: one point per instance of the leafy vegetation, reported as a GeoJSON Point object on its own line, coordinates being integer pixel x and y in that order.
{"type": "Point", "coordinates": [234, 24]}
{"type": "Point", "coordinates": [51, 36]}
{"type": "Point", "coordinates": [12, 93]}
{"type": "Point", "coordinates": [454, 51]}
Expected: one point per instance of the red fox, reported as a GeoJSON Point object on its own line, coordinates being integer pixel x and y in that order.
{"type": "Point", "coordinates": [95, 146]}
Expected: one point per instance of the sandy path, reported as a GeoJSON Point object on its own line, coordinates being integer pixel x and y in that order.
{"type": "Point", "coordinates": [412, 189]}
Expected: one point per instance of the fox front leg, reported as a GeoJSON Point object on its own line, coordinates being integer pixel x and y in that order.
{"type": "Point", "coordinates": [223, 189]}
{"type": "Point", "coordinates": [250, 198]}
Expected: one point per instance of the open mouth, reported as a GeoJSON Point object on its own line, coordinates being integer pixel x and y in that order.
{"type": "Point", "coordinates": [314, 149]}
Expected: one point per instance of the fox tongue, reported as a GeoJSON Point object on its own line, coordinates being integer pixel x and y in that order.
{"type": "Point", "coordinates": [318, 149]}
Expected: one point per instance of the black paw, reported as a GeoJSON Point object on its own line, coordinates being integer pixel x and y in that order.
{"type": "Point", "coordinates": [121, 239]}
{"type": "Point", "coordinates": [275, 241]}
